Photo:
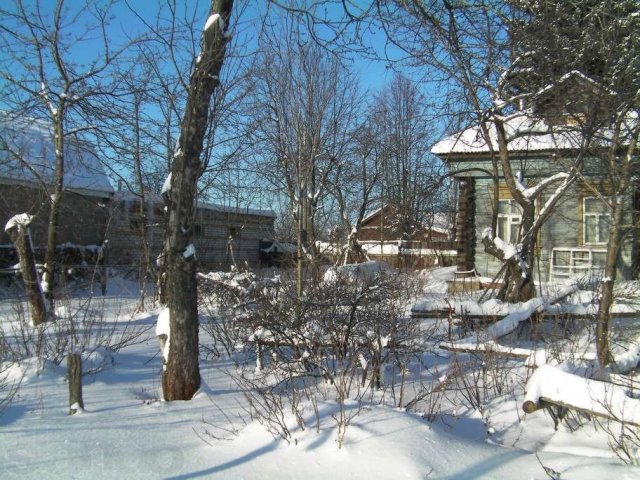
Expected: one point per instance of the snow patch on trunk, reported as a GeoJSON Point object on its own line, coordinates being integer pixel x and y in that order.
{"type": "Point", "coordinates": [189, 251]}
{"type": "Point", "coordinates": [163, 332]}
{"type": "Point", "coordinates": [213, 19]}
{"type": "Point", "coordinates": [166, 186]}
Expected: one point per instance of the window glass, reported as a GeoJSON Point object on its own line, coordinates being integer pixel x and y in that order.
{"type": "Point", "coordinates": [561, 258]}
{"type": "Point", "coordinates": [509, 218]}
{"type": "Point", "coordinates": [599, 259]}
{"type": "Point", "coordinates": [595, 220]}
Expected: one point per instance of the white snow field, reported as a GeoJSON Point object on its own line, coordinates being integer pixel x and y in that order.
{"type": "Point", "coordinates": [127, 432]}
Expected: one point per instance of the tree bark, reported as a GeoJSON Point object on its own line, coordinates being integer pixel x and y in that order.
{"type": "Point", "coordinates": [465, 226]}
{"type": "Point", "coordinates": [181, 378]}
{"type": "Point", "coordinates": [21, 237]}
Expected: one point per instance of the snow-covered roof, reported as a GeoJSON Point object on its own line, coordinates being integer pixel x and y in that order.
{"type": "Point", "coordinates": [33, 143]}
{"type": "Point", "coordinates": [575, 76]}
{"type": "Point", "coordinates": [126, 195]}
{"type": "Point", "coordinates": [439, 222]}
{"type": "Point", "coordinates": [239, 210]}
{"type": "Point", "coordinates": [373, 214]}
{"type": "Point", "coordinates": [525, 132]}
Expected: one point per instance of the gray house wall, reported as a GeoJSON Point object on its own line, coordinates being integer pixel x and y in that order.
{"type": "Point", "coordinates": [562, 230]}
{"type": "Point", "coordinates": [83, 216]}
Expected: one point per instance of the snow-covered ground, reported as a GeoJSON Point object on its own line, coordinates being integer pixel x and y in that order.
{"type": "Point", "coordinates": [127, 432]}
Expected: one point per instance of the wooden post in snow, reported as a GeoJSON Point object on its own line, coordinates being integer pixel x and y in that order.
{"type": "Point", "coordinates": [74, 368]}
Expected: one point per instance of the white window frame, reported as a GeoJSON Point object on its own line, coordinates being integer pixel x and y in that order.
{"type": "Point", "coordinates": [513, 220]}
{"type": "Point", "coordinates": [597, 216]}
{"type": "Point", "coordinates": [581, 262]}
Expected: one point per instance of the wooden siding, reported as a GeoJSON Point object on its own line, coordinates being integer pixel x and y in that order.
{"type": "Point", "coordinates": [83, 218]}
{"type": "Point", "coordinates": [563, 229]}
{"type": "Point", "coordinates": [211, 239]}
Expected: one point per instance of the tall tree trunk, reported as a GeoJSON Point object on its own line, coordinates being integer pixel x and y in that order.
{"type": "Point", "coordinates": [181, 378]}
{"type": "Point", "coordinates": [54, 213]}
{"type": "Point", "coordinates": [144, 270]}
{"type": "Point", "coordinates": [465, 225]}
{"type": "Point", "coordinates": [21, 237]}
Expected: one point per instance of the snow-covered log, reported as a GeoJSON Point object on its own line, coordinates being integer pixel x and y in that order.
{"type": "Point", "coordinates": [552, 386]}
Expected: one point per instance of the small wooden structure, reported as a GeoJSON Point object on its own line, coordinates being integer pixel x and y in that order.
{"type": "Point", "coordinates": [223, 236]}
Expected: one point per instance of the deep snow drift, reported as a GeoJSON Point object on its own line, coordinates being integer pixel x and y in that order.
{"type": "Point", "coordinates": [127, 432]}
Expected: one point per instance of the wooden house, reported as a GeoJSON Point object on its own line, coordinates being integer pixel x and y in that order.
{"type": "Point", "coordinates": [386, 234]}
{"type": "Point", "coordinates": [573, 240]}
{"type": "Point", "coordinates": [388, 225]}
{"type": "Point", "coordinates": [93, 212]}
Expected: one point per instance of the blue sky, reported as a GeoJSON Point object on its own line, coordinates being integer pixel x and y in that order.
{"type": "Point", "coordinates": [125, 26]}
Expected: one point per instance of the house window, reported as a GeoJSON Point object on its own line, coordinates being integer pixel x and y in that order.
{"type": "Point", "coordinates": [595, 220]}
{"type": "Point", "coordinates": [509, 218]}
{"type": "Point", "coordinates": [198, 230]}
{"type": "Point", "coordinates": [568, 262]}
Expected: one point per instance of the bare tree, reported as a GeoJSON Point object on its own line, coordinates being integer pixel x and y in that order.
{"type": "Point", "coordinates": [410, 174]}
{"type": "Point", "coordinates": [18, 230]}
{"type": "Point", "coordinates": [469, 49]}
{"type": "Point", "coordinates": [51, 85]}
{"type": "Point", "coordinates": [352, 183]}
{"type": "Point", "coordinates": [601, 37]}
{"type": "Point", "coordinates": [303, 109]}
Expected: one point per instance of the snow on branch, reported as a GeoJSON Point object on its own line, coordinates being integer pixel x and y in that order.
{"type": "Point", "coordinates": [535, 191]}
{"type": "Point", "coordinates": [485, 341]}
{"type": "Point", "coordinates": [628, 360]}
{"type": "Point", "coordinates": [504, 250]}
{"type": "Point", "coordinates": [21, 220]}
{"type": "Point", "coordinates": [553, 199]}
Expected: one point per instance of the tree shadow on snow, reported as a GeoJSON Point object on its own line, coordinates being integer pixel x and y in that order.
{"type": "Point", "coordinates": [230, 464]}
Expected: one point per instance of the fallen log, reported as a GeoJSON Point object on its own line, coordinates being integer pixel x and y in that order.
{"type": "Point", "coordinates": [486, 347]}
{"type": "Point", "coordinates": [505, 326]}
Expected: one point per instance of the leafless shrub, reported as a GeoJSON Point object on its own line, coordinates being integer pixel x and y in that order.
{"type": "Point", "coordinates": [78, 324]}
{"type": "Point", "coordinates": [331, 343]}
{"type": "Point", "coordinates": [225, 298]}
{"type": "Point", "coordinates": [624, 441]}
{"type": "Point", "coordinates": [8, 385]}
